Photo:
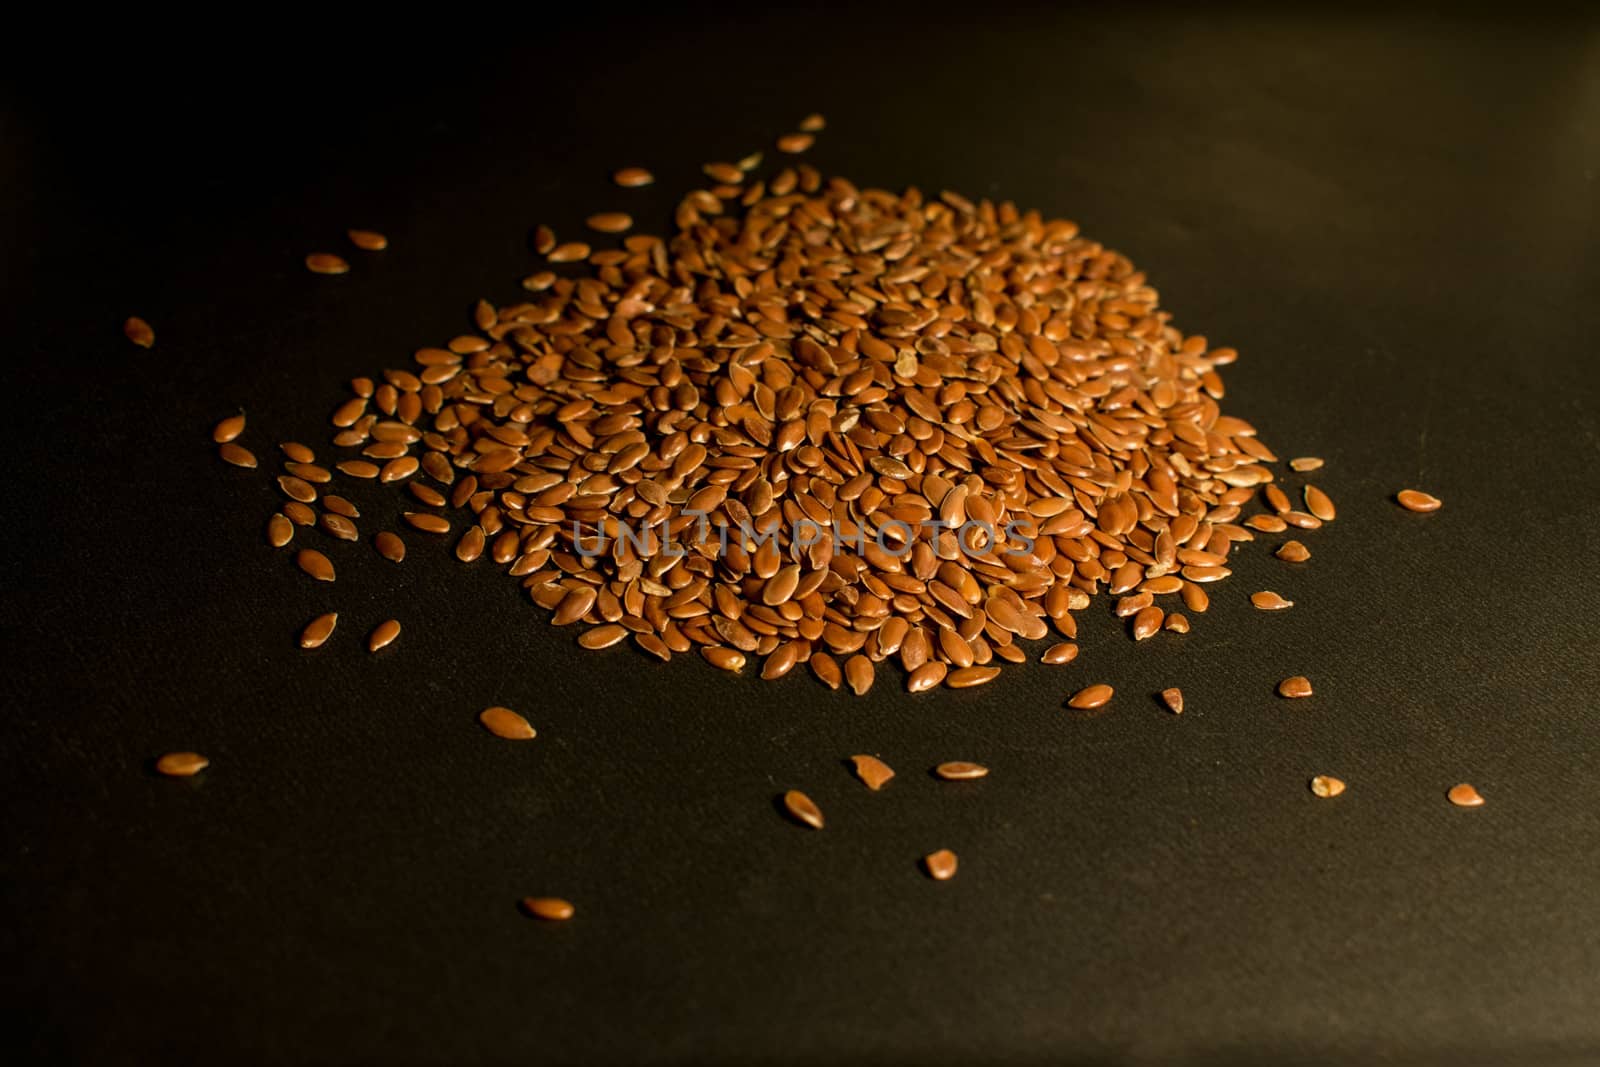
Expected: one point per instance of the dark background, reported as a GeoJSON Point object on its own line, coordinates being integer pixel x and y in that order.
{"type": "Point", "coordinates": [1391, 217]}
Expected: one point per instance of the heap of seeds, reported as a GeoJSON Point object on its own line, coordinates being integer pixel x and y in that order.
{"type": "Point", "coordinates": [824, 425]}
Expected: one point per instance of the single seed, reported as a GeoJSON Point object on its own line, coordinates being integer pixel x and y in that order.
{"type": "Point", "coordinates": [927, 676]}
{"type": "Point", "coordinates": [359, 468]}
{"type": "Point", "coordinates": [182, 764]}
{"type": "Point", "coordinates": [940, 865]}
{"type": "Point", "coordinates": [315, 564]}
{"type": "Point", "coordinates": [602, 636]}
{"type": "Point", "coordinates": [298, 513]}
{"type": "Point", "coordinates": [318, 630]}
{"type": "Point", "coordinates": [296, 488]}
{"type": "Point", "coordinates": [544, 240]}
{"type": "Point", "coordinates": [237, 455]}
{"type": "Point", "coordinates": [551, 909]}
{"type": "Point", "coordinates": [872, 771]}
{"type": "Point", "coordinates": [969, 677]}
{"type": "Point", "coordinates": [228, 429]}
{"type": "Point", "coordinates": [1319, 504]}
{"type": "Point", "coordinates": [368, 240]}
{"type": "Point", "coordinates": [1295, 687]}
{"type": "Point", "coordinates": [859, 672]}
{"type": "Point", "coordinates": [434, 524]}
{"type": "Point", "coordinates": [326, 263]}
{"type": "Point", "coordinates": [1064, 652]}
{"type": "Point", "coordinates": [139, 332]}
{"type": "Point", "coordinates": [575, 604]}
{"type": "Point", "coordinates": [1092, 696]}
{"type": "Point", "coordinates": [795, 142]}
{"type": "Point", "coordinates": [1305, 463]}
{"type": "Point", "coordinates": [781, 661]}
{"type": "Point", "coordinates": [632, 177]}
{"type": "Point", "coordinates": [725, 173]}
{"type": "Point", "coordinates": [1465, 796]}
{"type": "Point", "coordinates": [297, 452]}
{"type": "Point", "coordinates": [1324, 786]}
{"type": "Point", "coordinates": [826, 668]}
{"type": "Point", "coordinates": [1293, 551]}
{"type": "Point", "coordinates": [1177, 623]}
{"type": "Point", "coordinates": [960, 771]}
{"type": "Point", "coordinates": [384, 635]}
{"type": "Point", "coordinates": [1270, 601]}
{"type": "Point", "coordinates": [724, 658]}
{"type": "Point", "coordinates": [802, 809]}
{"type": "Point", "coordinates": [1416, 500]}
{"type": "Point", "coordinates": [812, 123]}
{"type": "Point", "coordinates": [340, 506]}
{"type": "Point", "coordinates": [1147, 623]}
{"type": "Point", "coordinates": [470, 547]}
{"type": "Point", "coordinates": [569, 252]}
{"type": "Point", "coordinates": [389, 546]}
{"type": "Point", "coordinates": [1173, 699]}
{"type": "Point", "coordinates": [610, 222]}
{"type": "Point", "coordinates": [503, 722]}
{"type": "Point", "coordinates": [280, 531]}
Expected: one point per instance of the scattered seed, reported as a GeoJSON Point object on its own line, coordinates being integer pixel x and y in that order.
{"type": "Point", "coordinates": [228, 429]}
{"type": "Point", "coordinates": [139, 332]}
{"type": "Point", "coordinates": [969, 677]}
{"type": "Point", "coordinates": [503, 722]}
{"type": "Point", "coordinates": [602, 636]}
{"type": "Point", "coordinates": [384, 635]}
{"type": "Point", "coordinates": [1319, 504]}
{"type": "Point", "coordinates": [826, 668]}
{"type": "Point", "coordinates": [1416, 500]}
{"type": "Point", "coordinates": [1147, 622]}
{"type": "Point", "coordinates": [724, 658]}
{"type": "Point", "coordinates": [940, 865]}
{"type": "Point", "coordinates": [389, 546]}
{"type": "Point", "coordinates": [872, 771]}
{"type": "Point", "coordinates": [1295, 687]}
{"type": "Point", "coordinates": [1324, 786]}
{"type": "Point", "coordinates": [1465, 796]}
{"type": "Point", "coordinates": [551, 909]}
{"type": "Point", "coordinates": [318, 630]}
{"type": "Point", "coordinates": [280, 531]}
{"type": "Point", "coordinates": [182, 764]}
{"type": "Point", "coordinates": [1305, 463]}
{"type": "Point", "coordinates": [296, 488]}
{"type": "Point", "coordinates": [960, 771]}
{"type": "Point", "coordinates": [802, 809]}
{"type": "Point", "coordinates": [297, 452]}
{"type": "Point", "coordinates": [367, 240]}
{"type": "Point", "coordinates": [927, 676]}
{"type": "Point", "coordinates": [569, 252]}
{"type": "Point", "coordinates": [1173, 699]}
{"type": "Point", "coordinates": [610, 222]}
{"type": "Point", "coordinates": [1270, 601]}
{"type": "Point", "coordinates": [237, 455]}
{"type": "Point", "coordinates": [1293, 551]}
{"type": "Point", "coordinates": [812, 123]}
{"type": "Point", "coordinates": [470, 547]}
{"type": "Point", "coordinates": [434, 524]}
{"type": "Point", "coordinates": [1064, 652]}
{"type": "Point", "coordinates": [859, 672]}
{"type": "Point", "coordinates": [1177, 623]}
{"type": "Point", "coordinates": [633, 177]}
{"type": "Point", "coordinates": [340, 506]}
{"type": "Point", "coordinates": [315, 564]}
{"type": "Point", "coordinates": [725, 173]}
{"type": "Point", "coordinates": [795, 142]}
{"type": "Point", "coordinates": [1092, 696]}
{"type": "Point", "coordinates": [298, 513]}
{"type": "Point", "coordinates": [326, 263]}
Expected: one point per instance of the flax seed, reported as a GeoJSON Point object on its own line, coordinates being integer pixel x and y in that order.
{"type": "Point", "coordinates": [1295, 687]}
{"type": "Point", "coordinates": [1177, 623]}
{"type": "Point", "coordinates": [1173, 699]}
{"type": "Point", "coordinates": [1147, 623]}
{"type": "Point", "coordinates": [926, 676]}
{"type": "Point", "coordinates": [326, 263]}
{"type": "Point", "coordinates": [389, 546]}
{"type": "Point", "coordinates": [812, 123]}
{"type": "Point", "coordinates": [960, 771]}
{"type": "Point", "coordinates": [1465, 796]}
{"type": "Point", "coordinates": [550, 909]}
{"type": "Point", "coordinates": [632, 177]}
{"type": "Point", "coordinates": [182, 764]}
{"type": "Point", "coordinates": [1319, 504]}
{"type": "Point", "coordinates": [1063, 652]}
{"type": "Point", "coordinates": [873, 772]}
{"type": "Point", "coordinates": [826, 668]}
{"type": "Point", "coordinates": [569, 252]}
{"type": "Point", "coordinates": [802, 809]}
{"type": "Point", "coordinates": [1416, 500]}
{"type": "Point", "coordinates": [228, 429]}
{"type": "Point", "coordinates": [340, 527]}
{"type": "Point", "coordinates": [1324, 786]}
{"type": "Point", "coordinates": [384, 635]}
{"type": "Point", "coordinates": [368, 240]}
{"type": "Point", "coordinates": [724, 658]}
{"type": "Point", "coordinates": [1270, 601]}
{"type": "Point", "coordinates": [139, 332]}
{"type": "Point", "coordinates": [503, 722]}
{"type": "Point", "coordinates": [318, 630]}
{"type": "Point", "coordinates": [280, 531]}
{"type": "Point", "coordinates": [940, 865]}
{"type": "Point", "coordinates": [1305, 463]}
{"type": "Point", "coordinates": [610, 222]}
{"type": "Point", "coordinates": [237, 455]}
{"type": "Point", "coordinates": [795, 142]}
{"type": "Point", "coordinates": [859, 672]}
{"type": "Point", "coordinates": [1293, 551]}
{"type": "Point", "coordinates": [1092, 696]}
{"type": "Point", "coordinates": [434, 524]}
{"type": "Point", "coordinates": [315, 564]}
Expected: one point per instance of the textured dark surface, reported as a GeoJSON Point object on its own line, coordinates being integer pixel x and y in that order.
{"type": "Point", "coordinates": [1393, 220]}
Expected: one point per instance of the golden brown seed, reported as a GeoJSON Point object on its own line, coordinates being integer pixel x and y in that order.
{"type": "Point", "coordinates": [1147, 623]}
{"type": "Point", "coordinates": [1092, 696]}
{"type": "Point", "coordinates": [1177, 623]}
{"type": "Point", "coordinates": [1267, 600]}
{"type": "Point", "coordinates": [968, 677]}
{"type": "Point", "coordinates": [315, 564]}
{"type": "Point", "coordinates": [1173, 699]}
{"type": "Point", "coordinates": [927, 676]}
{"type": "Point", "coordinates": [297, 452]}
{"type": "Point", "coordinates": [781, 662]}
{"type": "Point", "coordinates": [318, 630]}
{"type": "Point", "coordinates": [940, 865]}
{"type": "Point", "coordinates": [632, 177]}
{"type": "Point", "coordinates": [389, 546]}
{"type": "Point", "coordinates": [574, 605]}
{"type": "Point", "coordinates": [602, 636]}
{"type": "Point", "coordinates": [470, 547]}
{"type": "Point", "coordinates": [182, 764]}
{"type": "Point", "coordinates": [1295, 687]}
{"type": "Point", "coordinates": [228, 429]}
{"type": "Point", "coordinates": [544, 239]}
{"type": "Point", "coordinates": [298, 513]}
{"type": "Point", "coordinates": [724, 658]}
{"type": "Point", "coordinates": [960, 771]}
{"type": "Point", "coordinates": [1062, 652]}
{"type": "Point", "coordinates": [1324, 786]}
{"type": "Point", "coordinates": [503, 722]}
{"type": "Point", "coordinates": [872, 771]}
{"type": "Point", "coordinates": [384, 635]}
{"type": "Point", "coordinates": [1416, 500]}
{"type": "Point", "coordinates": [1319, 504]}
{"type": "Point", "coordinates": [368, 240]}
{"type": "Point", "coordinates": [139, 332]}
{"type": "Point", "coordinates": [340, 506]}
{"type": "Point", "coordinates": [398, 469]}
{"type": "Point", "coordinates": [859, 672]}
{"type": "Point", "coordinates": [1305, 463]}
{"type": "Point", "coordinates": [795, 142]}
{"type": "Point", "coordinates": [610, 222]}
{"type": "Point", "coordinates": [280, 531]}
{"type": "Point", "coordinates": [326, 263]}
{"type": "Point", "coordinates": [1465, 796]}
{"type": "Point", "coordinates": [569, 252]}
{"type": "Point", "coordinates": [826, 668]}
{"type": "Point", "coordinates": [802, 809]}
{"type": "Point", "coordinates": [296, 488]}
{"type": "Point", "coordinates": [812, 123]}
{"type": "Point", "coordinates": [434, 524]}
{"type": "Point", "coordinates": [237, 455]}
{"type": "Point", "coordinates": [1293, 551]}
{"type": "Point", "coordinates": [551, 909]}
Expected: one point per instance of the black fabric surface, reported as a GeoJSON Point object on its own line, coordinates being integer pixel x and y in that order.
{"type": "Point", "coordinates": [1393, 220]}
